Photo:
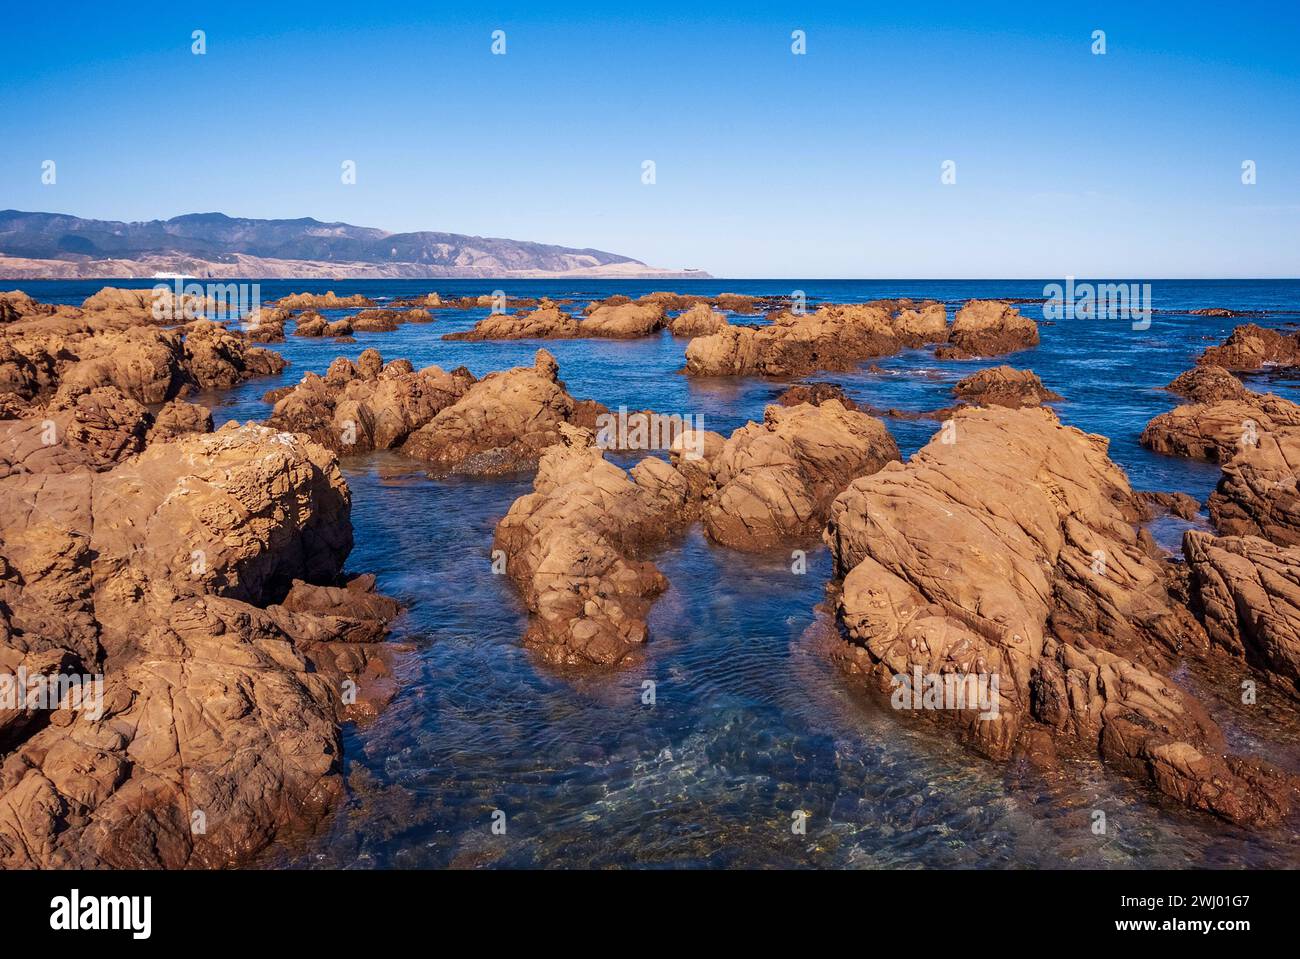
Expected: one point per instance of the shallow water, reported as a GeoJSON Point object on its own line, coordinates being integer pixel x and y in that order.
{"type": "Point", "coordinates": [749, 723]}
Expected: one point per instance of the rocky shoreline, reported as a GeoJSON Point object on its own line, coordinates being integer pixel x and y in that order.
{"type": "Point", "coordinates": [202, 573]}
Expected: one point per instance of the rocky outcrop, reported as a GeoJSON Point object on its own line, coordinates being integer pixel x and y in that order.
{"type": "Point", "coordinates": [576, 545]}
{"type": "Point", "coordinates": [1224, 419]}
{"type": "Point", "coordinates": [699, 320]}
{"type": "Point", "coordinates": [629, 321]}
{"type": "Point", "coordinates": [570, 547]}
{"type": "Point", "coordinates": [1209, 384]}
{"type": "Point", "coordinates": [323, 301]}
{"type": "Point", "coordinates": [182, 578]}
{"type": "Point", "coordinates": [1256, 495]}
{"type": "Point", "coordinates": [774, 481]}
{"type": "Point", "coordinates": [367, 405]}
{"type": "Point", "coordinates": [988, 328]}
{"type": "Point", "coordinates": [1007, 547]}
{"type": "Point", "coordinates": [500, 425]}
{"type": "Point", "coordinates": [1247, 592]}
{"type": "Point", "coordinates": [547, 321]}
{"type": "Point", "coordinates": [87, 350]}
{"type": "Point", "coordinates": [815, 394]}
{"type": "Point", "coordinates": [91, 428]}
{"type": "Point", "coordinates": [1004, 386]}
{"type": "Point", "coordinates": [1252, 347]}
{"type": "Point", "coordinates": [835, 337]}
{"type": "Point", "coordinates": [311, 324]}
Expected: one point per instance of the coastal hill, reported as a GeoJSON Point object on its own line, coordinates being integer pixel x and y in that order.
{"type": "Point", "coordinates": [59, 246]}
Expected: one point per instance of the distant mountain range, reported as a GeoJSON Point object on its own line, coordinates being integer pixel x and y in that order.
{"type": "Point", "coordinates": [58, 246]}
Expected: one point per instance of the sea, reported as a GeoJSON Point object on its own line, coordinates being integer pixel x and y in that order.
{"type": "Point", "coordinates": [753, 750]}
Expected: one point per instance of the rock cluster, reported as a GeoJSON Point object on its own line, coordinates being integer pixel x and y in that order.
{"type": "Point", "coordinates": [367, 405]}
{"type": "Point", "coordinates": [323, 301]}
{"type": "Point", "coordinates": [43, 351]}
{"type": "Point", "coordinates": [835, 337]}
{"type": "Point", "coordinates": [1223, 418]}
{"type": "Point", "coordinates": [501, 423]}
{"type": "Point", "coordinates": [575, 545]}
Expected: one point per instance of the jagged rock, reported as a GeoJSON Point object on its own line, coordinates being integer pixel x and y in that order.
{"type": "Point", "coordinates": [95, 428]}
{"type": "Point", "coordinates": [774, 481]}
{"type": "Point", "coordinates": [569, 543]}
{"type": "Point", "coordinates": [500, 425]}
{"type": "Point", "coordinates": [323, 301]}
{"type": "Point", "coordinates": [1007, 547]}
{"type": "Point", "coordinates": [216, 358]}
{"type": "Point", "coordinates": [152, 575]}
{"type": "Point", "coordinates": [1252, 347]}
{"type": "Point", "coordinates": [816, 394]}
{"type": "Point", "coordinates": [356, 408]}
{"type": "Point", "coordinates": [1229, 420]}
{"type": "Point", "coordinates": [1257, 496]}
{"type": "Point", "coordinates": [1176, 504]}
{"type": "Point", "coordinates": [178, 418]}
{"type": "Point", "coordinates": [1004, 386]}
{"type": "Point", "coordinates": [40, 353]}
{"type": "Point", "coordinates": [835, 337]}
{"type": "Point", "coordinates": [988, 328]}
{"type": "Point", "coordinates": [548, 321]}
{"type": "Point", "coordinates": [1247, 591]}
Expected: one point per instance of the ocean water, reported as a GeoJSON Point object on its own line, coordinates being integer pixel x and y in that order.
{"type": "Point", "coordinates": [749, 725]}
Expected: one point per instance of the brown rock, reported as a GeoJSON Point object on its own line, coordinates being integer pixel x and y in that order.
{"type": "Point", "coordinates": [699, 320]}
{"type": "Point", "coordinates": [1219, 430]}
{"type": "Point", "coordinates": [815, 394]}
{"type": "Point", "coordinates": [835, 337]}
{"type": "Point", "coordinates": [1252, 347]}
{"type": "Point", "coordinates": [1004, 386]}
{"type": "Point", "coordinates": [323, 301]}
{"type": "Point", "coordinates": [774, 481]}
{"type": "Point", "coordinates": [1256, 496]}
{"type": "Point", "coordinates": [150, 575]}
{"type": "Point", "coordinates": [568, 546]}
{"type": "Point", "coordinates": [1247, 592]}
{"type": "Point", "coordinates": [988, 328]}
{"type": "Point", "coordinates": [356, 408]}
{"type": "Point", "coordinates": [548, 321]}
{"type": "Point", "coordinates": [629, 321]}
{"type": "Point", "coordinates": [500, 425]}
{"type": "Point", "coordinates": [1007, 547]}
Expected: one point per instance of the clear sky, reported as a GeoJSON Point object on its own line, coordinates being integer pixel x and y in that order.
{"type": "Point", "coordinates": [1124, 165]}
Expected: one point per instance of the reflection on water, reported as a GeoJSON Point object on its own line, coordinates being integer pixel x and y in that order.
{"type": "Point", "coordinates": [749, 724]}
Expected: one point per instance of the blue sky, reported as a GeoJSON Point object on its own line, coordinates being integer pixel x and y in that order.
{"type": "Point", "coordinates": [767, 163]}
